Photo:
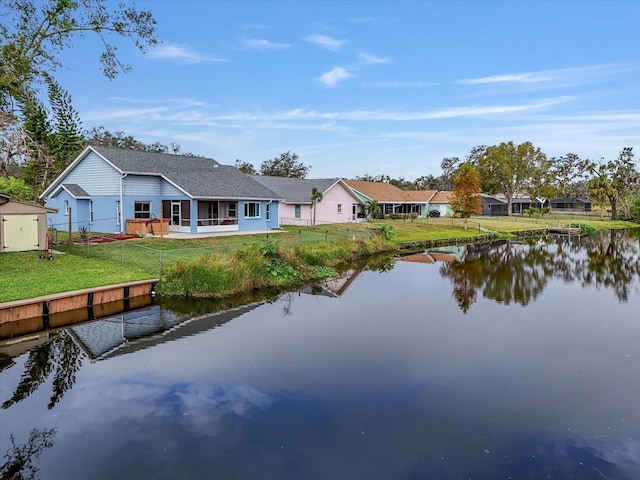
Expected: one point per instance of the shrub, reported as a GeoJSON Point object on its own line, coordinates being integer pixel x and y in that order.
{"type": "Point", "coordinates": [584, 228]}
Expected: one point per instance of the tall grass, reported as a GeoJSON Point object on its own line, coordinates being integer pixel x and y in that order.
{"type": "Point", "coordinates": [262, 267]}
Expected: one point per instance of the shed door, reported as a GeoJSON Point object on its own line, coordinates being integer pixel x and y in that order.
{"type": "Point", "coordinates": [20, 233]}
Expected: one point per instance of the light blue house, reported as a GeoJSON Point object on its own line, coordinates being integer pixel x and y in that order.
{"type": "Point", "coordinates": [104, 188]}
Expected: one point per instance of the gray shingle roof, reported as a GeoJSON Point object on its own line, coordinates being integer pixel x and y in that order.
{"type": "Point", "coordinates": [76, 190]}
{"type": "Point", "coordinates": [295, 190]}
{"type": "Point", "coordinates": [199, 177]}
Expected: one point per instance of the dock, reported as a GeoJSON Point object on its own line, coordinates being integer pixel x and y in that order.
{"type": "Point", "coordinates": [560, 229]}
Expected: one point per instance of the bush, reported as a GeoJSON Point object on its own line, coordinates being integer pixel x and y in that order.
{"type": "Point", "coordinates": [532, 212]}
{"type": "Point", "coordinates": [584, 228]}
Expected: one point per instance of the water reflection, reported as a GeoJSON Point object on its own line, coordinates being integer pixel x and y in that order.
{"type": "Point", "coordinates": [60, 356]}
{"type": "Point", "coordinates": [21, 460]}
{"type": "Point", "coordinates": [375, 374]}
{"type": "Point", "coordinates": [516, 271]}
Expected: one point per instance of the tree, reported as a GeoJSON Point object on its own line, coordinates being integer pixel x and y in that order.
{"type": "Point", "coordinates": [17, 188]}
{"type": "Point", "coordinates": [616, 178]}
{"type": "Point", "coordinates": [372, 209]}
{"type": "Point", "coordinates": [34, 32]}
{"type": "Point", "coordinates": [509, 169]}
{"type": "Point", "coordinates": [286, 165]}
{"type": "Point", "coordinates": [245, 167]}
{"type": "Point", "coordinates": [449, 167]}
{"type": "Point", "coordinates": [17, 146]}
{"type": "Point", "coordinates": [428, 182]}
{"type": "Point", "coordinates": [316, 196]}
{"type": "Point", "coordinates": [568, 170]}
{"type": "Point", "coordinates": [599, 189]}
{"type": "Point", "coordinates": [466, 192]}
{"type": "Point", "coordinates": [99, 136]}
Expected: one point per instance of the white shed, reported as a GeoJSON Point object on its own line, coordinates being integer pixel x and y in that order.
{"type": "Point", "coordinates": [23, 226]}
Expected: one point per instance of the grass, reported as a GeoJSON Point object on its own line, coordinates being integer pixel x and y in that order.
{"type": "Point", "coordinates": [24, 275]}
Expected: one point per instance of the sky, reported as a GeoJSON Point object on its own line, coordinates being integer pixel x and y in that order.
{"type": "Point", "coordinates": [371, 87]}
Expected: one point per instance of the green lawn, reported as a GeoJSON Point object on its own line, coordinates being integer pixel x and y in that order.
{"type": "Point", "coordinates": [24, 275]}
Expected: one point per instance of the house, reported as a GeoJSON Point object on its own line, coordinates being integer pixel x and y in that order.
{"type": "Point", "coordinates": [110, 190]}
{"type": "Point", "coordinates": [496, 205]}
{"type": "Point", "coordinates": [23, 226]}
{"type": "Point", "coordinates": [339, 203]}
{"type": "Point", "coordinates": [441, 202]}
{"type": "Point", "coordinates": [493, 206]}
{"type": "Point", "coordinates": [391, 199]}
{"type": "Point", "coordinates": [570, 205]}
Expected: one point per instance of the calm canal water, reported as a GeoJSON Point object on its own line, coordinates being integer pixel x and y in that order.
{"type": "Point", "coordinates": [513, 360]}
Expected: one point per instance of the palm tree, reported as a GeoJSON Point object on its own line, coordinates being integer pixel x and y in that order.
{"type": "Point", "coordinates": [316, 196]}
{"type": "Point", "coordinates": [372, 209]}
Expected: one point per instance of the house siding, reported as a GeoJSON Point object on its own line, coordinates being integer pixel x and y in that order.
{"type": "Point", "coordinates": [95, 176]}
{"type": "Point", "coordinates": [142, 185]}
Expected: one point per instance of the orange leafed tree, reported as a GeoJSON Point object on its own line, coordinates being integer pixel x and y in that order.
{"type": "Point", "coordinates": [466, 192]}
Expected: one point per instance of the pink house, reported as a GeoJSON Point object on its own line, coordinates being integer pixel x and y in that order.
{"type": "Point", "coordinates": [338, 205]}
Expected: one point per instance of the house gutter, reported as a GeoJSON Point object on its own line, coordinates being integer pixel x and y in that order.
{"type": "Point", "coordinates": [122, 202]}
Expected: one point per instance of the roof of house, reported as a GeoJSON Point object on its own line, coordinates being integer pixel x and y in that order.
{"type": "Point", "coordinates": [569, 200]}
{"type": "Point", "coordinates": [198, 177]}
{"type": "Point", "coordinates": [442, 197]}
{"type": "Point", "coordinates": [76, 190]}
{"type": "Point", "coordinates": [296, 190]}
{"type": "Point", "coordinates": [387, 193]}
{"type": "Point", "coordinates": [419, 196]}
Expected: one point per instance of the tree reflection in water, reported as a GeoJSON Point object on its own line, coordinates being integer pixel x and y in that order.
{"type": "Point", "coordinates": [515, 271]}
{"type": "Point", "coordinates": [20, 460]}
{"type": "Point", "coordinates": [62, 356]}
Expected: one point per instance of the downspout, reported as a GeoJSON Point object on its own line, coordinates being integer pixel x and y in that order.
{"type": "Point", "coordinates": [269, 203]}
{"type": "Point", "coordinates": [122, 202]}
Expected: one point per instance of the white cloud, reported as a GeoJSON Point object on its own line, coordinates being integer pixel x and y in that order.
{"type": "Point", "coordinates": [262, 44]}
{"type": "Point", "coordinates": [334, 76]}
{"type": "Point", "coordinates": [383, 115]}
{"type": "Point", "coordinates": [183, 54]}
{"type": "Point", "coordinates": [327, 42]}
{"type": "Point", "coordinates": [367, 58]}
{"type": "Point", "coordinates": [511, 78]}
{"type": "Point", "coordinates": [400, 84]}
{"type": "Point", "coordinates": [560, 76]}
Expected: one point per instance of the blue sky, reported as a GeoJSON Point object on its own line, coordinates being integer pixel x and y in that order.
{"type": "Point", "coordinates": [372, 87]}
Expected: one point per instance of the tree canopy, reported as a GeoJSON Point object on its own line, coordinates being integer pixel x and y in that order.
{"type": "Point", "coordinates": [286, 165]}
{"type": "Point", "coordinates": [466, 192]}
{"type": "Point", "coordinates": [510, 169]}
{"type": "Point", "coordinates": [34, 32]}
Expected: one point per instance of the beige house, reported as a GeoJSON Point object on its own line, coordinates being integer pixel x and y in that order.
{"type": "Point", "coordinates": [23, 226]}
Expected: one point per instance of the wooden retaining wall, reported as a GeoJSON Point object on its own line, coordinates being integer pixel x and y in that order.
{"type": "Point", "coordinates": [41, 313]}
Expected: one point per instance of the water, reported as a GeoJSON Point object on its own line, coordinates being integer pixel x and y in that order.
{"type": "Point", "coordinates": [522, 361]}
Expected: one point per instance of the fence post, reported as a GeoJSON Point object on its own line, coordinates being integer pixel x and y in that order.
{"type": "Point", "coordinates": [160, 261]}
{"type": "Point", "coordinates": [299, 236]}
{"type": "Point", "coordinates": [122, 252]}
{"type": "Point", "coordinates": [326, 235]}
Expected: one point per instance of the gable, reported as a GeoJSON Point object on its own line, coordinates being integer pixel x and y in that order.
{"type": "Point", "coordinates": [91, 173]}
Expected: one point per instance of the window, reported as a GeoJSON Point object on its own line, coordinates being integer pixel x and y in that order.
{"type": "Point", "coordinates": [339, 208]}
{"type": "Point", "coordinates": [90, 211]}
{"type": "Point", "coordinates": [66, 207]}
{"type": "Point", "coordinates": [142, 210]}
{"type": "Point", "coordinates": [268, 211]}
{"type": "Point", "coordinates": [297, 211]}
{"type": "Point", "coordinates": [118, 213]}
{"type": "Point", "coordinates": [252, 210]}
